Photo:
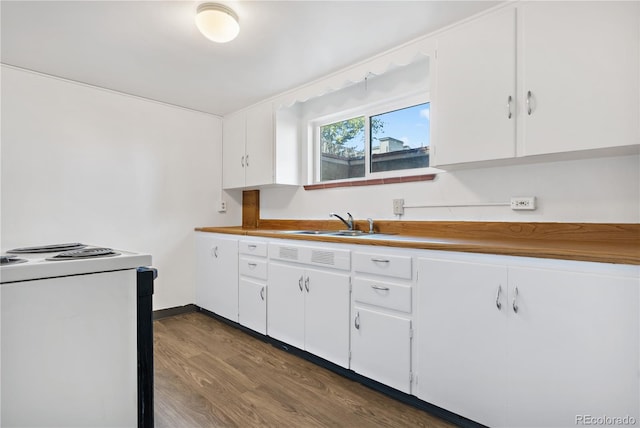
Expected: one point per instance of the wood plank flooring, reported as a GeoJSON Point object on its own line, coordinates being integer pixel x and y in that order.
{"type": "Point", "coordinates": [208, 374]}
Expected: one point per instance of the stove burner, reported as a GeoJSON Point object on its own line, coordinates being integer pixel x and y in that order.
{"type": "Point", "coordinates": [85, 253]}
{"type": "Point", "coordinates": [10, 260]}
{"type": "Point", "coordinates": [47, 248]}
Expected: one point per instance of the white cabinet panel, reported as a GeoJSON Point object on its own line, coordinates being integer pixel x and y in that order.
{"type": "Point", "coordinates": [382, 294]}
{"type": "Point", "coordinates": [217, 274]}
{"type": "Point", "coordinates": [580, 62]}
{"type": "Point", "coordinates": [327, 315]}
{"type": "Point", "coordinates": [381, 348]}
{"type": "Point", "coordinates": [462, 343]}
{"type": "Point", "coordinates": [382, 263]}
{"type": "Point", "coordinates": [259, 146]}
{"type": "Point", "coordinates": [253, 248]}
{"type": "Point", "coordinates": [285, 305]}
{"type": "Point", "coordinates": [573, 347]}
{"type": "Point", "coordinates": [253, 267]}
{"type": "Point", "coordinates": [474, 119]}
{"type": "Point", "coordinates": [233, 151]}
{"type": "Point", "coordinates": [253, 305]}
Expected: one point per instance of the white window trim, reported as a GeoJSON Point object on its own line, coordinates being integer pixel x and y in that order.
{"type": "Point", "coordinates": [368, 110]}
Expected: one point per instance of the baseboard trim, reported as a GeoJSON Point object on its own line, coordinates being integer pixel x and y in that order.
{"type": "Point", "coordinates": [172, 312]}
{"type": "Point", "coordinates": [411, 400]}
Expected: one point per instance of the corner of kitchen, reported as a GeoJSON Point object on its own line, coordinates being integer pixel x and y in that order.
{"type": "Point", "coordinates": [306, 213]}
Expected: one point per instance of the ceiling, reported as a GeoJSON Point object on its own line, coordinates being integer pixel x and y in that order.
{"type": "Point", "coordinates": [152, 49]}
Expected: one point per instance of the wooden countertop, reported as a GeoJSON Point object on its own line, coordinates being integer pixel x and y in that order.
{"type": "Point", "coordinates": [595, 242]}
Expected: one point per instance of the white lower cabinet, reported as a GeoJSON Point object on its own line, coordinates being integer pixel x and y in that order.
{"type": "Point", "coordinates": [309, 309]}
{"type": "Point", "coordinates": [381, 347]}
{"type": "Point", "coordinates": [252, 307]}
{"type": "Point", "coordinates": [252, 285]}
{"type": "Point", "coordinates": [518, 344]}
{"type": "Point", "coordinates": [217, 274]}
{"type": "Point", "coordinates": [381, 326]}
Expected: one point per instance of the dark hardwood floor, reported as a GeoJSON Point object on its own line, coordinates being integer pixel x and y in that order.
{"type": "Point", "coordinates": [208, 374]}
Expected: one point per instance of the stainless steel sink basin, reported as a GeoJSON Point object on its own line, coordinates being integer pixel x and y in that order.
{"type": "Point", "coordinates": [309, 232]}
{"type": "Point", "coordinates": [352, 233]}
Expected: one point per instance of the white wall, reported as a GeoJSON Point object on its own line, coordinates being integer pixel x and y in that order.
{"type": "Point", "coordinates": [599, 190]}
{"type": "Point", "coordinates": [83, 164]}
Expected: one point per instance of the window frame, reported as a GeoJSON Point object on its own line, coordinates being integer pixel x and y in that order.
{"type": "Point", "coordinates": [368, 110]}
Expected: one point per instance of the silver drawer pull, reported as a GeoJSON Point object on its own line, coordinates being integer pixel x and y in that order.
{"type": "Point", "coordinates": [300, 283]}
{"type": "Point", "coordinates": [251, 246]}
{"type": "Point", "coordinates": [380, 260]}
{"type": "Point", "coordinates": [514, 305]}
{"type": "Point", "coordinates": [498, 303]}
{"type": "Point", "coordinates": [379, 287]}
{"type": "Point", "coordinates": [262, 293]}
{"type": "Point", "coordinates": [252, 265]}
{"type": "Point", "coordinates": [356, 321]}
{"type": "Point", "coordinates": [306, 284]}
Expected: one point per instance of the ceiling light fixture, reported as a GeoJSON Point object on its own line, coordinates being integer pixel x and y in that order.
{"type": "Point", "coordinates": [217, 22]}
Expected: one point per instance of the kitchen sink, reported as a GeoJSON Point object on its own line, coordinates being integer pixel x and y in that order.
{"type": "Point", "coordinates": [352, 233]}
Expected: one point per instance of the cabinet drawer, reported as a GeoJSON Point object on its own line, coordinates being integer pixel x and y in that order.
{"type": "Point", "coordinates": [383, 294]}
{"type": "Point", "coordinates": [254, 268]}
{"type": "Point", "coordinates": [381, 264]}
{"type": "Point", "coordinates": [253, 248]}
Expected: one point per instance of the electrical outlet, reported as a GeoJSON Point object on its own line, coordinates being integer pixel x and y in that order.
{"type": "Point", "coordinates": [398, 206]}
{"type": "Point", "coordinates": [523, 203]}
{"type": "Point", "coordinates": [222, 206]}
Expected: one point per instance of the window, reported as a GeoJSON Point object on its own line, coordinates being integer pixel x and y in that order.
{"type": "Point", "coordinates": [377, 144]}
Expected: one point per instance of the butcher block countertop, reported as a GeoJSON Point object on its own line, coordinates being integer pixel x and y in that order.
{"type": "Point", "coordinates": [595, 242]}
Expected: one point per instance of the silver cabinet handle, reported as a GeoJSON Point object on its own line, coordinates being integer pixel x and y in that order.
{"type": "Point", "coordinates": [246, 160]}
{"type": "Point", "coordinates": [242, 161]}
{"type": "Point", "coordinates": [306, 284]}
{"type": "Point", "coordinates": [498, 303]}
{"type": "Point", "coordinates": [356, 322]}
{"type": "Point", "coordinates": [214, 251]}
{"type": "Point", "coordinates": [509, 106]}
{"type": "Point", "coordinates": [262, 293]}
{"type": "Point", "coordinates": [252, 246]}
{"type": "Point", "coordinates": [379, 260]}
{"type": "Point", "coordinates": [515, 303]}
{"type": "Point", "coordinates": [300, 283]}
{"type": "Point", "coordinates": [379, 287]}
{"type": "Point", "coordinates": [252, 265]}
{"type": "Point", "coordinates": [529, 103]}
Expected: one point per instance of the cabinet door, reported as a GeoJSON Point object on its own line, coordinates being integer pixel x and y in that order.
{"type": "Point", "coordinates": [462, 323]}
{"type": "Point", "coordinates": [217, 275]}
{"type": "Point", "coordinates": [259, 148]}
{"type": "Point", "coordinates": [476, 74]}
{"type": "Point", "coordinates": [381, 348]}
{"type": "Point", "coordinates": [285, 304]}
{"type": "Point", "coordinates": [580, 62]}
{"type": "Point", "coordinates": [327, 315]}
{"type": "Point", "coordinates": [233, 151]}
{"type": "Point", "coordinates": [573, 347]}
{"type": "Point", "coordinates": [252, 306]}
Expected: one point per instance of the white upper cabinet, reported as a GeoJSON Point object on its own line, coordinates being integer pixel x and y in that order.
{"type": "Point", "coordinates": [474, 115]}
{"type": "Point", "coordinates": [247, 148]}
{"type": "Point", "coordinates": [580, 64]}
{"type": "Point", "coordinates": [251, 145]}
{"type": "Point", "coordinates": [538, 79]}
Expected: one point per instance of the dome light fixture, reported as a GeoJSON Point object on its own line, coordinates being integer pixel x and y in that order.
{"type": "Point", "coordinates": [217, 22]}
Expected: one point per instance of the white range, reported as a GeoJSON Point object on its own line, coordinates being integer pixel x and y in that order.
{"type": "Point", "coordinates": [69, 336]}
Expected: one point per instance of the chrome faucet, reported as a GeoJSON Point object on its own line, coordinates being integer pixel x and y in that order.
{"type": "Point", "coordinates": [348, 223]}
